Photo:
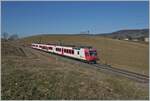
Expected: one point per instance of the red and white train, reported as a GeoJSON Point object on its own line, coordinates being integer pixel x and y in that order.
{"type": "Point", "coordinates": [87, 54]}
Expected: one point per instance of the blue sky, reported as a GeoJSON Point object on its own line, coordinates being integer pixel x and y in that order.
{"type": "Point", "coordinates": [69, 17]}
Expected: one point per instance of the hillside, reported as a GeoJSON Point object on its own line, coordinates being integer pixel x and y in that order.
{"type": "Point", "coordinates": [33, 75]}
{"type": "Point", "coordinates": [134, 33]}
{"type": "Point", "coordinates": [120, 54]}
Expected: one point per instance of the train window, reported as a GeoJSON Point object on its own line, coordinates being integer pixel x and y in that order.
{"type": "Point", "coordinates": [78, 52]}
{"type": "Point", "coordinates": [72, 51]}
{"type": "Point", "coordinates": [58, 49]}
{"type": "Point", "coordinates": [93, 53]}
{"type": "Point", "coordinates": [44, 47]}
{"type": "Point", "coordinates": [86, 54]}
{"type": "Point", "coordinates": [50, 48]}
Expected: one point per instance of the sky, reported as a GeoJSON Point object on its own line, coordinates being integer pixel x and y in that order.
{"type": "Point", "coordinates": [27, 18]}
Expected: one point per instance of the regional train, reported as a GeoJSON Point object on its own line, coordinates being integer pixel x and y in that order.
{"type": "Point", "coordinates": [84, 53]}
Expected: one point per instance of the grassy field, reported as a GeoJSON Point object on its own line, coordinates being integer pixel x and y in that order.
{"type": "Point", "coordinates": [121, 54]}
{"type": "Point", "coordinates": [28, 74]}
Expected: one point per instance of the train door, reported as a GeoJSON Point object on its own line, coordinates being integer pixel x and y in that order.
{"type": "Point", "coordinates": [78, 52]}
{"type": "Point", "coordinates": [82, 56]}
{"type": "Point", "coordinates": [62, 51]}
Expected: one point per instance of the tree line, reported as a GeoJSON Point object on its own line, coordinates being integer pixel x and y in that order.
{"type": "Point", "coordinates": [6, 36]}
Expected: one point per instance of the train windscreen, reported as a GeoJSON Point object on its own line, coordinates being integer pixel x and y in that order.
{"type": "Point", "coordinates": [93, 53]}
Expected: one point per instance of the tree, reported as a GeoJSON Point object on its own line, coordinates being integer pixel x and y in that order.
{"type": "Point", "coordinates": [141, 38]}
{"type": "Point", "coordinates": [13, 37]}
{"type": "Point", "coordinates": [129, 37]}
{"type": "Point", "coordinates": [5, 35]}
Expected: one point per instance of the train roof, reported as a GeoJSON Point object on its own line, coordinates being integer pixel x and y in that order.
{"type": "Point", "coordinates": [67, 45]}
{"type": "Point", "coordinates": [74, 46]}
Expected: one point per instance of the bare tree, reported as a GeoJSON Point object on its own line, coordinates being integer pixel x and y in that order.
{"type": "Point", "coordinates": [129, 37]}
{"type": "Point", "coordinates": [13, 37]}
{"type": "Point", "coordinates": [5, 35]}
{"type": "Point", "coordinates": [88, 32]}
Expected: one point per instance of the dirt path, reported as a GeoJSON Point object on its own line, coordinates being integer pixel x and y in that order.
{"type": "Point", "coordinates": [38, 54]}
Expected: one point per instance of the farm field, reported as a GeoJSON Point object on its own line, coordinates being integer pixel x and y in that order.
{"type": "Point", "coordinates": [32, 74]}
{"type": "Point", "coordinates": [120, 54]}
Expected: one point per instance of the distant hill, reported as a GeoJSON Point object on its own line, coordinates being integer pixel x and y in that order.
{"type": "Point", "coordinates": [135, 33]}
{"type": "Point", "coordinates": [121, 34]}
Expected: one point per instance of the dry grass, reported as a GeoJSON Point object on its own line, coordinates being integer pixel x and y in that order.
{"type": "Point", "coordinates": [122, 54]}
{"type": "Point", "coordinates": [41, 77]}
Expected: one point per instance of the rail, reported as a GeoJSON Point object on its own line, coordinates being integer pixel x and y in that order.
{"type": "Point", "coordinates": [131, 75]}
{"type": "Point", "coordinates": [121, 72]}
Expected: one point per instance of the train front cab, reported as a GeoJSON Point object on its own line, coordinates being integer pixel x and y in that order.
{"type": "Point", "coordinates": [91, 55]}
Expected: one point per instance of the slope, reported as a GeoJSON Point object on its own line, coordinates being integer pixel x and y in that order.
{"type": "Point", "coordinates": [120, 54]}
{"type": "Point", "coordinates": [38, 75]}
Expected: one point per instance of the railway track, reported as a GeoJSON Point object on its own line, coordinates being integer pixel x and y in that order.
{"type": "Point", "coordinates": [131, 75]}
{"type": "Point", "coordinates": [116, 71]}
